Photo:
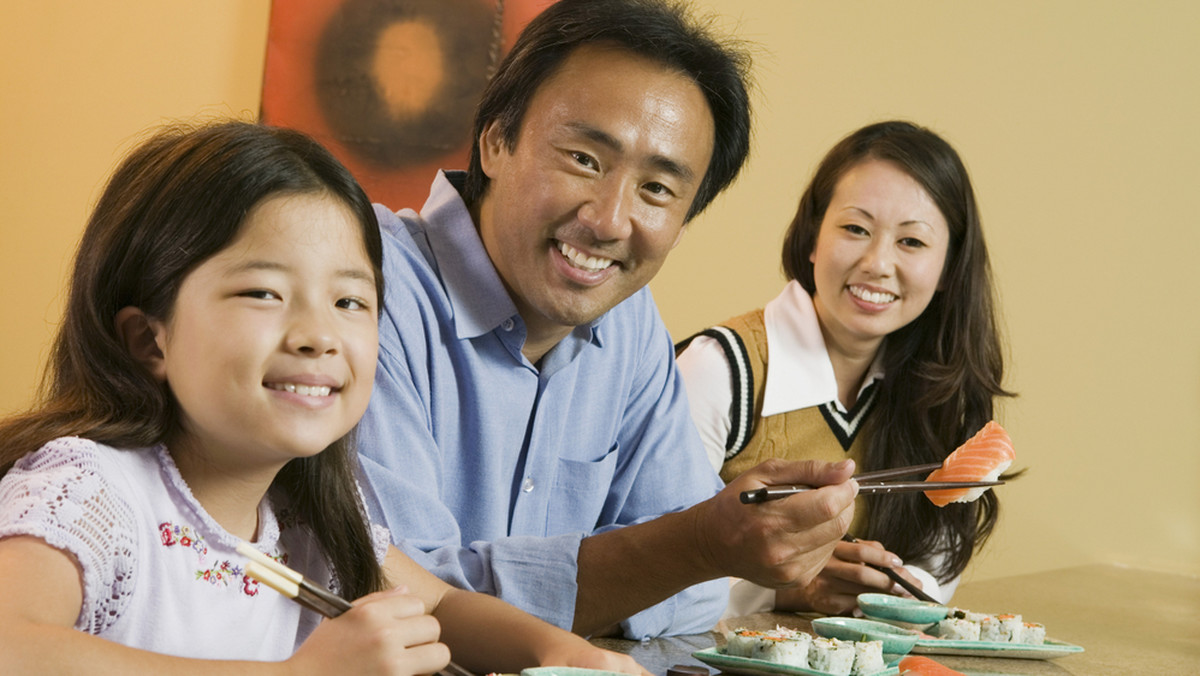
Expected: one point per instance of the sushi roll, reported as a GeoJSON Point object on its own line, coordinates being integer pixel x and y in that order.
{"type": "Point", "coordinates": [963, 614]}
{"type": "Point", "coordinates": [868, 658]}
{"type": "Point", "coordinates": [1033, 634]}
{"type": "Point", "coordinates": [1011, 627]}
{"type": "Point", "coordinates": [741, 642]}
{"type": "Point", "coordinates": [831, 656]}
{"type": "Point", "coordinates": [982, 458]}
{"type": "Point", "coordinates": [789, 648]}
{"type": "Point", "coordinates": [958, 629]}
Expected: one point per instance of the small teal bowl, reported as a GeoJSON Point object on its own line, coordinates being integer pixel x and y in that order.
{"type": "Point", "coordinates": [568, 671]}
{"type": "Point", "coordinates": [896, 640]}
{"type": "Point", "coordinates": [888, 608]}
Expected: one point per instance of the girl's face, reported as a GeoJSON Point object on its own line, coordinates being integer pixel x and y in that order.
{"type": "Point", "coordinates": [879, 256]}
{"type": "Point", "coordinates": [270, 349]}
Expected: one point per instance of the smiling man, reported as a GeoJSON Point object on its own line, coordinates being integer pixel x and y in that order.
{"type": "Point", "coordinates": [529, 436]}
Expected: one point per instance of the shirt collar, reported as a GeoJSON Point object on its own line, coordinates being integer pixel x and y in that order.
{"type": "Point", "coordinates": [800, 374]}
{"type": "Point", "coordinates": [480, 301]}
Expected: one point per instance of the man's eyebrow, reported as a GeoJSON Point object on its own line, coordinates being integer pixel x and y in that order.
{"type": "Point", "coordinates": [260, 264]}
{"type": "Point", "coordinates": [660, 162]}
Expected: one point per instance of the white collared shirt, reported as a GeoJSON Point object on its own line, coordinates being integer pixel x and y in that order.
{"type": "Point", "coordinates": [800, 373]}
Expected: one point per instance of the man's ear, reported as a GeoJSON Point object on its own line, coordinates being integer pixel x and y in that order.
{"type": "Point", "coordinates": [491, 147]}
{"type": "Point", "coordinates": [679, 237]}
{"type": "Point", "coordinates": [140, 333]}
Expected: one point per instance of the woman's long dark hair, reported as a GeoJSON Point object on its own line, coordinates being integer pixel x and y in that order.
{"type": "Point", "coordinates": [943, 370]}
{"type": "Point", "coordinates": [175, 201]}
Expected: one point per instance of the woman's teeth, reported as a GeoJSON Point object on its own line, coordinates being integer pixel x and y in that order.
{"type": "Point", "coordinates": [581, 260]}
{"type": "Point", "coordinates": [303, 390]}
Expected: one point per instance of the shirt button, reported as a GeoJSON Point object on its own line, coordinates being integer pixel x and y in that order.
{"type": "Point", "coordinates": [507, 325]}
{"type": "Point", "coordinates": [527, 485]}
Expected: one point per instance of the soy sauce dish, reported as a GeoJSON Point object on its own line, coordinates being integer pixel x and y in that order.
{"type": "Point", "coordinates": [896, 640]}
{"type": "Point", "coordinates": [903, 611]}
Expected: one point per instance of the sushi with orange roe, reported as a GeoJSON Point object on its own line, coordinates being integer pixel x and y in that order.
{"type": "Point", "coordinates": [915, 665]}
{"type": "Point", "coordinates": [982, 458]}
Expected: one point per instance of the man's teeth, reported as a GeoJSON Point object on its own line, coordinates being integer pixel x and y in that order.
{"type": "Point", "coordinates": [877, 297]}
{"type": "Point", "coordinates": [303, 390]}
{"type": "Point", "coordinates": [581, 260]}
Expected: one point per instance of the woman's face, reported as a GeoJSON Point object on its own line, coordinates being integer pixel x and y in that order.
{"type": "Point", "coordinates": [879, 256]}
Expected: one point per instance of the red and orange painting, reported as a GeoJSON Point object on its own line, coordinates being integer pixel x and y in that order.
{"type": "Point", "coordinates": [389, 86]}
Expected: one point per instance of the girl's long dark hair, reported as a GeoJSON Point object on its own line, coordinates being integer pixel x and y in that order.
{"type": "Point", "coordinates": [943, 370]}
{"type": "Point", "coordinates": [175, 201]}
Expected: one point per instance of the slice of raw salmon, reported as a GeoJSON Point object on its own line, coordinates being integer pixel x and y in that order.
{"type": "Point", "coordinates": [982, 458]}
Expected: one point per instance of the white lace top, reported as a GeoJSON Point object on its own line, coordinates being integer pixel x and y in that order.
{"type": "Point", "coordinates": [158, 573]}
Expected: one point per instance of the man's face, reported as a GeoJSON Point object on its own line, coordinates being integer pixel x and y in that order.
{"type": "Point", "coordinates": [583, 210]}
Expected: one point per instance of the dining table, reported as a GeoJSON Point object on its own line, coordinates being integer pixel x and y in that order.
{"type": "Point", "coordinates": [1129, 621]}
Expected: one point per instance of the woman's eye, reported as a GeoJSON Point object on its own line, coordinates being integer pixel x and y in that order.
{"type": "Point", "coordinates": [855, 229]}
{"type": "Point", "coordinates": [261, 294]}
{"type": "Point", "coordinates": [912, 242]}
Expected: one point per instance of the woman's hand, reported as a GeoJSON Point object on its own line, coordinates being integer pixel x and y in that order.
{"type": "Point", "coordinates": [836, 588]}
{"type": "Point", "coordinates": [384, 633]}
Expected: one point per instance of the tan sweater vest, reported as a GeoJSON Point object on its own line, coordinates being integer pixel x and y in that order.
{"type": "Point", "coordinates": [796, 435]}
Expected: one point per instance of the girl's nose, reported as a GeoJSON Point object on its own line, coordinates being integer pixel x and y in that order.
{"type": "Point", "coordinates": [312, 335]}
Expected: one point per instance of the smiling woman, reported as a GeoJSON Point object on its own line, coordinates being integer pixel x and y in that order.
{"type": "Point", "coordinates": [883, 348]}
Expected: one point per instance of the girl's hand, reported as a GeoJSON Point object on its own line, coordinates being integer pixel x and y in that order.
{"type": "Point", "coordinates": [836, 588]}
{"type": "Point", "coordinates": [384, 633]}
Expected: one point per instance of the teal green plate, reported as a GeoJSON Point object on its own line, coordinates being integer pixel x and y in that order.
{"type": "Point", "coordinates": [1046, 651]}
{"type": "Point", "coordinates": [568, 671]}
{"type": "Point", "coordinates": [895, 640]}
{"type": "Point", "coordinates": [746, 666]}
{"type": "Point", "coordinates": [901, 609]}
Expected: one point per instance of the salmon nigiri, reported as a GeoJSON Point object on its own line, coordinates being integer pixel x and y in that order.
{"type": "Point", "coordinates": [982, 458]}
{"type": "Point", "coordinates": [916, 665]}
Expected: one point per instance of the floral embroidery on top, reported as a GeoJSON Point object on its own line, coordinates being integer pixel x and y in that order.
{"type": "Point", "coordinates": [217, 573]}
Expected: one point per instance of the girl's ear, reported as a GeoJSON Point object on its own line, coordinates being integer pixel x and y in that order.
{"type": "Point", "coordinates": [140, 334]}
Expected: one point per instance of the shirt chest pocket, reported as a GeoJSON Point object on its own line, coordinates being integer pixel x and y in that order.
{"type": "Point", "coordinates": [580, 490]}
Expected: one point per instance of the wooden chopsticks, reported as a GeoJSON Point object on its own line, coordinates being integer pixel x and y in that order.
{"type": "Point", "coordinates": [307, 593]}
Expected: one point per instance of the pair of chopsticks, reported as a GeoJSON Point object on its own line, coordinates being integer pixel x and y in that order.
{"type": "Point", "coordinates": [307, 593]}
{"type": "Point", "coordinates": [895, 576]}
{"type": "Point", "coordinates": [870, 483]}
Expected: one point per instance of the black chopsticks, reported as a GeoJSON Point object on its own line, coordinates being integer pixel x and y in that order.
{"type": "Point", "coordinates": [896, 577]}
{"type": "Point", "coordinates": [768, 493]}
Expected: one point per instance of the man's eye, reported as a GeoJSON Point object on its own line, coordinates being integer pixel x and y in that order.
{"type": "Point", "coordinates": [658, 189]}
{"type": "Point", "coordinates": [584, 159]}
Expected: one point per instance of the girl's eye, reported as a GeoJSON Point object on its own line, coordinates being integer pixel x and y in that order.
{"type": "Point", "coordinates": [352, 304]}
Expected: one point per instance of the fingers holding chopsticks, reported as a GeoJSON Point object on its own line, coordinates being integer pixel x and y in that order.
{"type": "Point", "coordinates": [783, 542]}
{"type": "Point", "coordinates": [854, 568]}
{"type": "Point", "coordinates": [386, 632]}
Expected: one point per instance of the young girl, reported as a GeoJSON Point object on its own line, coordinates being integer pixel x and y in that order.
{"type": "Point", "coordinates": [883, 347]}
{"type": "Point", "coordinates": [219, 346]}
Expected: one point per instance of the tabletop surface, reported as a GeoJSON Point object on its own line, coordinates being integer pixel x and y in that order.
{"type": "Point", "coordinates": [1128, 621]}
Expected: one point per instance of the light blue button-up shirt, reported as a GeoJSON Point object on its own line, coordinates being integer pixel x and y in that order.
{"type": "Point", "coordinates": [488, 470]}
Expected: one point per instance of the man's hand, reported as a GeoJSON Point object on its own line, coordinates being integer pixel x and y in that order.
{"type": "Point", "coordinates": [780, 543]}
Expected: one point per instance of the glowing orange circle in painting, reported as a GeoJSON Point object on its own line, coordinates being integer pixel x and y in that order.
{"type": "Point", "coordinates": [389, 86]}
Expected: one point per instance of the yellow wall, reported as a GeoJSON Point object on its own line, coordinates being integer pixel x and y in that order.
{"type": "Point", "coordinates": [1078, 121]}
